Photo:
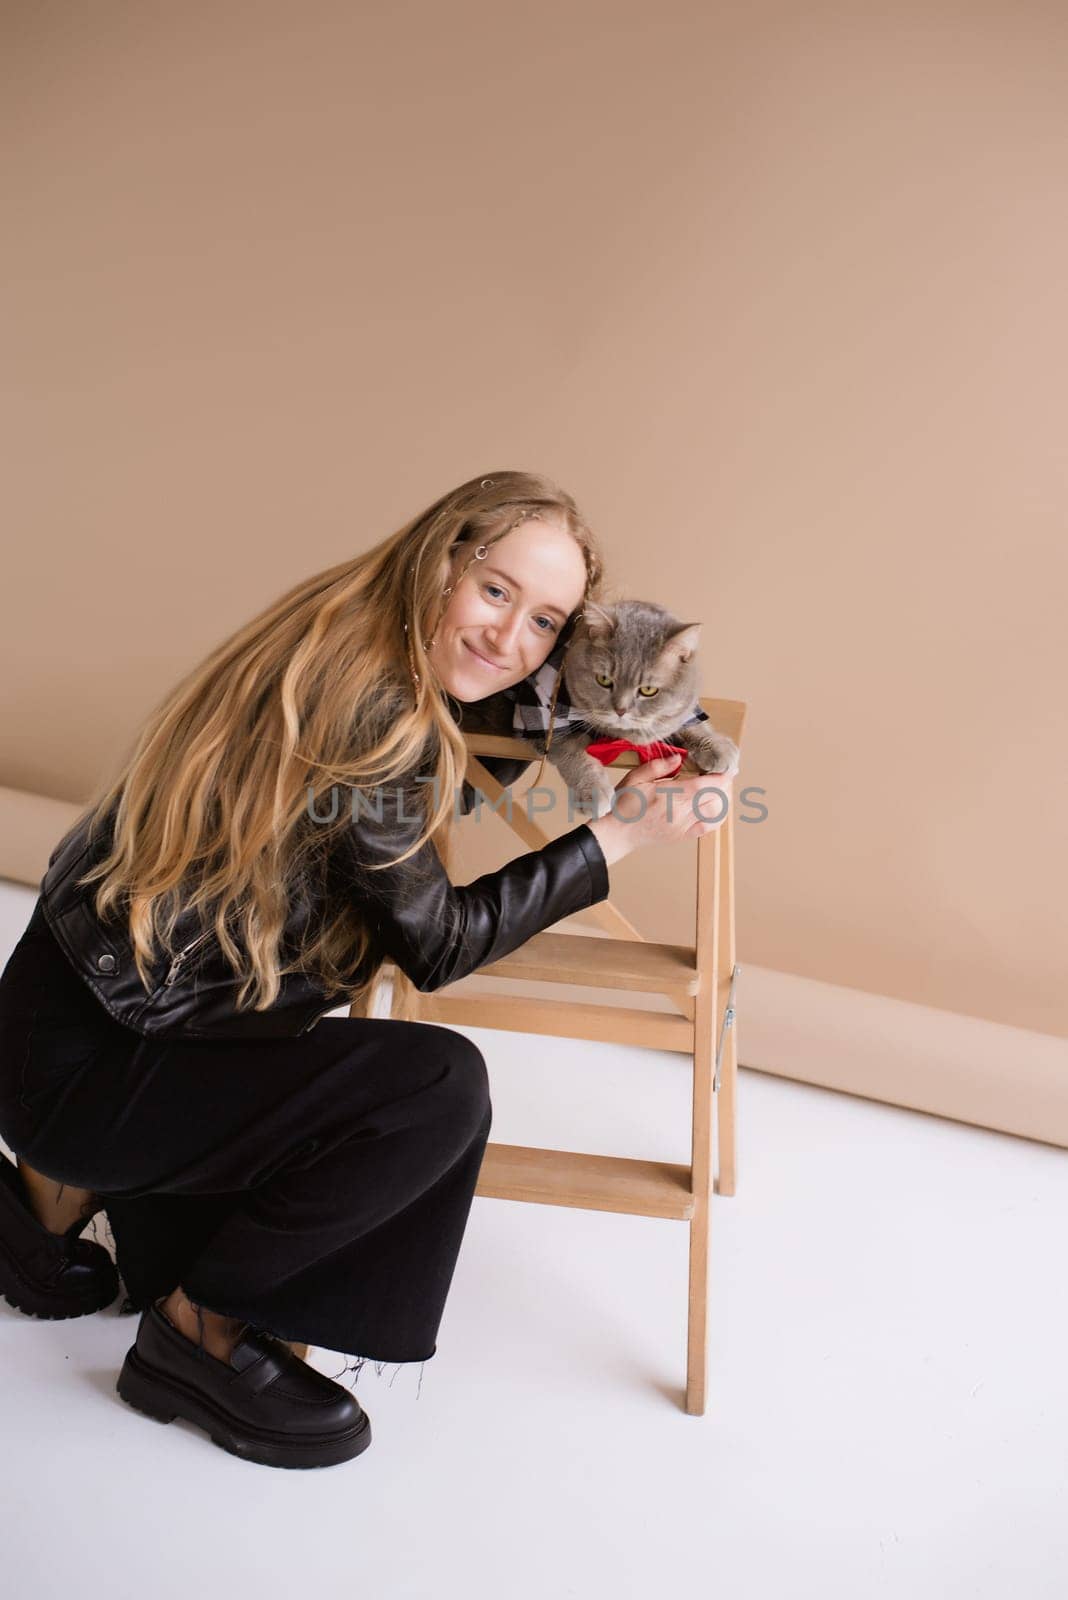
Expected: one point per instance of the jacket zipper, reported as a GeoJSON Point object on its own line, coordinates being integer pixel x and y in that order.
{"type": "Point", "coordinates": [175, 966]}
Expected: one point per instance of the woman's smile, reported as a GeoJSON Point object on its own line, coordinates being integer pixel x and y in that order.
{"type": "Point", "coordinates": [486, 663]}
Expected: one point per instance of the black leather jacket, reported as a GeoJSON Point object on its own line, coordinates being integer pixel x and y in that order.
{"type": "Point", "coordinates": [435, 931]}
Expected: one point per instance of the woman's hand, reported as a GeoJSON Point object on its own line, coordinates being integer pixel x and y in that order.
{"type": "Point", "coordinates": [674, 808]}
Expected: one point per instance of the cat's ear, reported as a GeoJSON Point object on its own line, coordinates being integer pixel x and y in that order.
{"type": "Point", "coordinates": [597, 621]}
{"type": "Point", "coordinates": [682, 642]}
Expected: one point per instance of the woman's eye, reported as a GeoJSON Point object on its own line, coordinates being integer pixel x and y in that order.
{"type": "Point", "coordinates": [606, 683]}
{"type": "Point", "coordinates": [550, 624]}
{"type": "Point", "coordinates": [648, 693]}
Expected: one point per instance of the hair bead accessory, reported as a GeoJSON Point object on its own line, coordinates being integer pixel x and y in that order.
{"type": "Point", "coordinates": [411, 657]}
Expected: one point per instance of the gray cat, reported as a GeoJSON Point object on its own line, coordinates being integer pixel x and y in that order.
{"type": "Point", "coordinates": [631, 674]}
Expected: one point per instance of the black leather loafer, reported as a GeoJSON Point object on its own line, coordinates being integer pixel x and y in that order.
{"type": "Point", "coordinates": [48, 1274]}
{"type": "Point", "coordinates": [265, 1405]}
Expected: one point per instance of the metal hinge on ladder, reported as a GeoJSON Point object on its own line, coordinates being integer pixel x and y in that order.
{"type": "Point", "coordinates": [728, 1022]}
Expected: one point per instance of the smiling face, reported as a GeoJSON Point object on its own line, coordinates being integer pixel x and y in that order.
{"type": "Point", "coordinates": [505, 616]}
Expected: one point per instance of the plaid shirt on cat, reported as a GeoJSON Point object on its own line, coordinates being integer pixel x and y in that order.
{"type": "Point", "coordinates": [532, 697]}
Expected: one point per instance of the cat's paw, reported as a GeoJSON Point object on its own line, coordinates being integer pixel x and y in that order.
{"type": "Point", "coordinates": [716, 755]}
{"type": "Point", "coordinates": [594, 794]}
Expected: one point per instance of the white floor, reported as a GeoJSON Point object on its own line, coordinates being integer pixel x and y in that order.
{"type": "Point", "coordinates": [889, 1385]}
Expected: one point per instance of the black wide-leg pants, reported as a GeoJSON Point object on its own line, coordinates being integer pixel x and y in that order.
{"type": "Point", "coordinates": [316, 1186]}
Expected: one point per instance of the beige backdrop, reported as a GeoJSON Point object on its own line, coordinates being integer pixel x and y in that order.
{"type": "Point", "coordinates": [776, 290]}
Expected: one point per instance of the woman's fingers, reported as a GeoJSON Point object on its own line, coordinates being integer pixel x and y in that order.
{"type": "Point", "coordinates": [710, 804]}
{"type": "Point", "coordinates": [675, 809]}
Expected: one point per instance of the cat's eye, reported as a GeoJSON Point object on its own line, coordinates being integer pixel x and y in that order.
{"type": "Point", "coordinates": [606, 683]}
{"type": "Point", "coordinates": [648, 693]}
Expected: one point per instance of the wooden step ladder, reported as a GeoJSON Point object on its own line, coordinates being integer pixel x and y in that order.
{"type": "Point", "coordinates": [699, 980]}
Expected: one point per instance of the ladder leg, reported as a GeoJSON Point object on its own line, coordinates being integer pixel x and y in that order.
{"type": "Point", "coordinates": [727, 1093]}
{"type": "Point", "coordinates": [697, 1334]}
{"type": "Point", "coordinates": [709, 928]}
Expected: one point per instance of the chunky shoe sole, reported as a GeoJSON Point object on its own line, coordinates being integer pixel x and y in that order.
{"type": "Point", "coordinates": [164, 1397]}
{"type": "Point", "coordinates": [54, 1305]}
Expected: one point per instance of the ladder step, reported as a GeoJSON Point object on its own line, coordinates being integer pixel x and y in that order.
{"type": "Point", "coordinates": [565, 1019]}
{"type": "Point", "coordinates": [601, 963]}
{"type": "Point", "coordinates": [588, 1182]}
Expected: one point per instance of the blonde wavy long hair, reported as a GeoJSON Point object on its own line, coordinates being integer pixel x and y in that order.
{"type": "Point", "coordinates": [213, 809]}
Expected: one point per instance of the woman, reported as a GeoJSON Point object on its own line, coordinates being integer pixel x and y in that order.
{"type": "Point", "coordinates": [272, 1174]}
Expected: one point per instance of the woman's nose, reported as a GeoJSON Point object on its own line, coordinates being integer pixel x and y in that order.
{"type": "Point", "coordinates": [505, 635]}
